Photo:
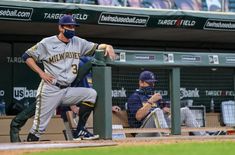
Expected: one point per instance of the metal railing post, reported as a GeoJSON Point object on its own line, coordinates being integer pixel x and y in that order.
{"type": "Point", "coordinates": [102, 118]}
{"type": "Point", "coordinates": [175, 101]}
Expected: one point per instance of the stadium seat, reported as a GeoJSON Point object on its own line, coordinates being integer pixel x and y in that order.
{"type": "Point", "coordinates": [231, 5]}
{"type": "Point", "coordinates": [110, 2]}
{"type": "Point", "coordinates": [93, 2]}
{"type": "Point", "coordinates": [158, 4]}
{"type": "Point", "coordinates": [228, 113]}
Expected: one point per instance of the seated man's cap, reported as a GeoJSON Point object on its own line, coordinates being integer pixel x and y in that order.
{"type": "Point", "coordinates": [148, 77]}
{"type": "Point", "coordinates": [68, 20]}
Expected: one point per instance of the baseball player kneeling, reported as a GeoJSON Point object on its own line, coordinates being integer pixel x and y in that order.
{"type": "Point", "coordinates": [60, 57]}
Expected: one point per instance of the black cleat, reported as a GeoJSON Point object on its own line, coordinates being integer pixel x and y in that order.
{"type": "Point", "coordinates": [32, 138]}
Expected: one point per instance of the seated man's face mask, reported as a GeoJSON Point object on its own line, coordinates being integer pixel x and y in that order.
{"type": "Point", "coordinates": [149, 90]}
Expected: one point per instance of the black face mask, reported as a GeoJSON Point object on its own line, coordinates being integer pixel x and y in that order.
{"type": "Point", "coordinates": [147, 90]}
{"type": "Point", "coordinates": [69, 33]}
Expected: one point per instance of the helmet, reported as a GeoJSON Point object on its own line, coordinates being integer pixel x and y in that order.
{"type": "Point", "coordinates": [147, 76]}
{"type": "Point", "coordinates": [68, 20]}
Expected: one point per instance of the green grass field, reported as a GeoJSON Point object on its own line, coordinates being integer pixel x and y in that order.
{"type": "Point", "coordinates": [195, 148]}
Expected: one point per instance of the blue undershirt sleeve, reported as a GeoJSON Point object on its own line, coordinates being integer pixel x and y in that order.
{"type": "Point", "coordinates": [25, 56]}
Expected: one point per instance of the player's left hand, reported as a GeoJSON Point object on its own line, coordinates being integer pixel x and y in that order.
{"type": "Point", "coordinates": [109, 51]}
{"type": "Point", "coordinates": [155, 97]}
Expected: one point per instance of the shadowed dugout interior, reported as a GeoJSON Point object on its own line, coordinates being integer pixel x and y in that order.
{"type": "Point", "coordinates": [202, 89]}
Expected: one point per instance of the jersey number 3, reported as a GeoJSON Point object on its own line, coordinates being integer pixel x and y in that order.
{"type": "Point", "coordinates": [74, 69]}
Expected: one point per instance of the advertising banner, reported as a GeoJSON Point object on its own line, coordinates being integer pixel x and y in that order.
{"type": "Point", "coordinates": [98, 15]}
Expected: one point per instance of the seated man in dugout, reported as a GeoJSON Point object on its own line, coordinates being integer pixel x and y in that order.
{"type": "Point", "coordinates": [145, 108]}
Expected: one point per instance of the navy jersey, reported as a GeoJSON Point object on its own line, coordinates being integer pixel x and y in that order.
{"type": "Point", "coordinates": [137, 101]}
{"type": "Point", "coordinates": [134, 103]}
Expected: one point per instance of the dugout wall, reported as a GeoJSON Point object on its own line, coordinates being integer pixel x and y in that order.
{"type": "Point", "coordinates": [171, 63]}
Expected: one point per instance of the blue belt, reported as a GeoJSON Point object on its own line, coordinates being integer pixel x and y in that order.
{"type": "Point", "coordinates": [62, 86]}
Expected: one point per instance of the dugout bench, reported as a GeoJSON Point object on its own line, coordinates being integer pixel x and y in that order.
{"type": "Point", "coordinates": [120, 118]}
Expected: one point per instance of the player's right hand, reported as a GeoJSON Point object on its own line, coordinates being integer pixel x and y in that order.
{"type": "Point", "coordinates": [156, 97]}
{"type": "Point", "coordinates": [47, 77]}
{"type": "Point", "coordinates": [166, 110]}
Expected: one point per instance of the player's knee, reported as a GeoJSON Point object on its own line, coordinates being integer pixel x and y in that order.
{"type": "Point", "coordinates": [15, 122]}
{"type": "Point", "coordinates": [92, 94]}
{"type": "Point", "coordinates": [186, 109]}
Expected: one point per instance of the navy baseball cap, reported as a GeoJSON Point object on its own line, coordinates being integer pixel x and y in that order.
{"type": "Point", "coordinates": [68, 20]}
{"type": "Point", "coordinates": [148, 77]}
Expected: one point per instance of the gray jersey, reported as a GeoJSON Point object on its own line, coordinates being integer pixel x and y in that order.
{"type": "Point", "coordinates": [61, 59]}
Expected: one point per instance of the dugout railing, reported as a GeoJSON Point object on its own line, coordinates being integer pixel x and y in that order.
{"type": "Point", "coordinates": [172, 61]}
